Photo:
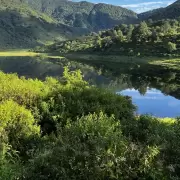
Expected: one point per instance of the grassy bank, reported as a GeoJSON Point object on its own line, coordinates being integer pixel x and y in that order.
{"type": "Point", "coordinates": [18, 53]}
{"type": "Point", "coordinates": [27, 53]}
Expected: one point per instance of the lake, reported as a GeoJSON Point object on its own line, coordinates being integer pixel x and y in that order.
{"type": "Point", "coordinates": [154, 102]}
{"type": "Point", "coordinates": [154, 89]}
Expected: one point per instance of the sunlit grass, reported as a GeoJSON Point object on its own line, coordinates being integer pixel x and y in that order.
{"type": "Point", "coordinates": [167, 120]}
{"type": "Point", "coordinates": [26, 53]}
{"type": "Point", "coordinates": [55, 57]}
{"type": "Point", "coordinates": [169, 63]}
{"type": "Point", "coordinates": [18, 54]}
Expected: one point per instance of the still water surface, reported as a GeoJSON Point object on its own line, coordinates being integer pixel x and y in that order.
{"type": "Point", "coordinates": [154, 102]}
{"type": "Point", "coordinates": [147, 85]}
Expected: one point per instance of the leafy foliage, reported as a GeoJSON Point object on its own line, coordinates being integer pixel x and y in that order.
{"type": "Point", "coordinates": [86, 133]}
{"type": "Point", "coordinates": [171, 46]}
{"type": "Point", "coordinates": [145, 39]}
{"type": "Point", "coordinates": [17, 124]}
{"type": "Point", "coordinates": [102, 153]}
{"type": "Point", "coordinates": [141, 33]}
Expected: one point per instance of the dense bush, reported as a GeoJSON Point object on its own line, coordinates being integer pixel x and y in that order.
{"type": "Point", "coordinates": [17, 124]}
{"type": "Point", "coordinates": [20, 90]}
{"type": "Point", "coordinates": [93, 147]}
{"type": "Point", "coordinates": [171, 46]}
{"type": "Point", "coordinates": [96, 135]}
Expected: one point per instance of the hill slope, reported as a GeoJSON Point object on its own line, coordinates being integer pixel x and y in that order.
{"type": "Point", "coordinates": [27, 23]}
{"type": "Point", "coordinates": [22, 26]}
{"type": "Point", "coordinates": [84, 14]}
{"type": "Point", "coordinates": [170, 12]}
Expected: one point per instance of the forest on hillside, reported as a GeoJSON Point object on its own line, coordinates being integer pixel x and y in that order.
{"type": "Point", "coordinates": [149, 38]}
{"type": "Point", "coordinates": [28, 23]}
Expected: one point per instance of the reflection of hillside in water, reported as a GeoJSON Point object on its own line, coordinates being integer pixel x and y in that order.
{"type": "Point", "coordinates": [39, 67]}
{"type": "Point", "coordinates": [113, 75]}
{"type": "Point", "coordinates": [140, 77]}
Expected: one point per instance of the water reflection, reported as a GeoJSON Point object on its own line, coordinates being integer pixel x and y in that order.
{"type": "Point", "coordinates": [41, 67]}
{"type": "Point", "coordinates": [154, 102]}
{"type": "Point", "coordinates": [154, 89]}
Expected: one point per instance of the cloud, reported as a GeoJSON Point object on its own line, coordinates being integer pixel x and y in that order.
{"type": "Point", "coordinates": [146, 6]}
{"type": "Point", "coordinates": [141, 4]}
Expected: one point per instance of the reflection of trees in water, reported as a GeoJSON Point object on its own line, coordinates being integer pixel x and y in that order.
{"type": "Point", "coordinates": [112, 75]}
{"type": "Point", "coordinates": [160, 78]}
{"type": "Point", "coordinates": [146, 76]}
{"type": "Point", "coordinates": [41, 67]}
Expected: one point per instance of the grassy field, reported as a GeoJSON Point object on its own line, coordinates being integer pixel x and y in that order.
{"type": "Point", "coordinates": [169, 63]}
{"type": "Point", "coordinates": [26, 53]}
{"type": "Point", "coordinates": [18, 53]}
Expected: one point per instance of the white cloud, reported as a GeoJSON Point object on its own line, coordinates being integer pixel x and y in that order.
{"type": "Point", "coordinates": [146, 6]}
{"type": "Point", "coordinates": [141, 4]}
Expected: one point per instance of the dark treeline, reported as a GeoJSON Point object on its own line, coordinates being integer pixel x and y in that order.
{"type": "Point", "coordinates": [150, 38]}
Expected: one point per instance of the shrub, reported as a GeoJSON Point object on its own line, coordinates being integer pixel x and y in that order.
{"type": "Point", "coordinates": [22, 91]}
{"type": "Point", "coordinates": [17, 124]}
{"type": "Point", "coordinates": [93, 147]}
{"type": "Point", "coordinates": [74, 98]}
{"type": "Point", "coordinates": [171, 46]}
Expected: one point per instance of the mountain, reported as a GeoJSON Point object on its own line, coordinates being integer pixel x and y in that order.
{"type": "Point", "coordinates": [170, 12]}
{"type": "Point", "coordinates": [27, 23]}
{"type": "Point", "coordinates": [21, 26]}
{"type": "Point", "coordinates": [84, 14]}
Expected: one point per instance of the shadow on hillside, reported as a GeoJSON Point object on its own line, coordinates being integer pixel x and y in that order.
{"type": "Point", "coordinates": [26, 31]}
{"type": "Point", "coordinates": [100, 21]}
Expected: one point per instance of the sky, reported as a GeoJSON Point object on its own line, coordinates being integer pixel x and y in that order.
{"type": "Point", "coordinates": [136, 5]}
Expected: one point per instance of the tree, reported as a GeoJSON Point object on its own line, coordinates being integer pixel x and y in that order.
{"type": "Point", "coordinates": [171, 46]}
{"type": "Point", "coordinates": [114, 33]}
{"type": "Point", "coordinates": [129, 32]}
{"type": "Point", "coordinates": [107, 42]}
{"type": "Point", "coordinates": [120, 36]}
{"type": "Point", "coordinates": [166, 28]}
{"type": "Point", "coordinates": [142, 89]}
{"type": "Point", "coordinates": [98, 42]}
{"type": "Point", "coordinates": [124, 28]}
{"type": "Point", "coordinates": [150, 21]}
{"type": "Point", "coordinates": [174, 23]}
{"type": "Point", "coordinates": [141, 33]}
{"type": "Point", "coordinates": [154, 36]}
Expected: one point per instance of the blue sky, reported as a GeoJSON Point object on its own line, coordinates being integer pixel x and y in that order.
{"type": "Point", "coordinates": [136, 5]}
